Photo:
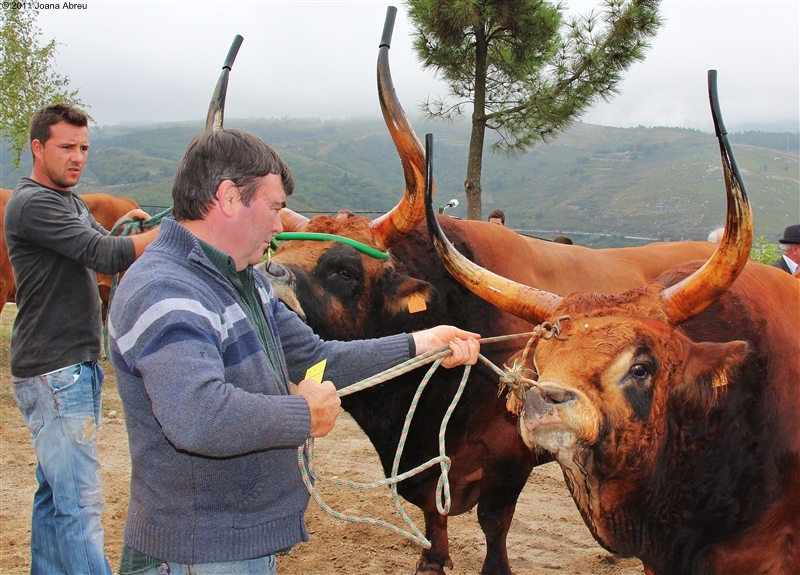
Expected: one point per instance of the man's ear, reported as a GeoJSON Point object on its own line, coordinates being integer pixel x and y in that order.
{"type": "Point", "coordinates": [227, 195]}
{"type": "Point", "coordinates": [37, 148]}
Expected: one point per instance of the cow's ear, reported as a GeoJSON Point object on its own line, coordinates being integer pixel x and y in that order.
{"type": "Point", "coordinates": [408, 299]}
{"type": "Point", "coordinates": [414, 296]}
{"type": "Point", "coordinates": [707, 373]}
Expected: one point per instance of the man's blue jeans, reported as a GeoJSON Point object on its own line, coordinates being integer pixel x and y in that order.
{"type": "Point", "coordinates": [261, 566]}
{"type": "Point", "coordinates": [62, 412]}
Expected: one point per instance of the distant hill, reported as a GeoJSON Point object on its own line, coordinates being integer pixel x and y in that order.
{"type": "Point", "coordinates": [600, 185]}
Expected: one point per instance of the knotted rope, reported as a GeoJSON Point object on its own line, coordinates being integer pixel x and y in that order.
{"type": "Point", "coordinates": [126, 227]}
{"type": "Point", "coordinates": [509, 380]}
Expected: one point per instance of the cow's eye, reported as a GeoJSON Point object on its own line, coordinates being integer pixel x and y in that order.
{"type": "Point", "coordinates": [639, 370]}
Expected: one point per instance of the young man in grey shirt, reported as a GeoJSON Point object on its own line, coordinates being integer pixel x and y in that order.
{"type": "Point", "coordinates": [55, 247]}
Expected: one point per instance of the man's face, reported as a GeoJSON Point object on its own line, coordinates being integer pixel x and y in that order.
{"type": "Point", "coordinates": [260, 221]}
{"type": "Point", "coordinates": [59, 162]}
{"type": "Point", "coordinates": [793, 253]}
{"type": "Point", "coordinates": [497, 221]}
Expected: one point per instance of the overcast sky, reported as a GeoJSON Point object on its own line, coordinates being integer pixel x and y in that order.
{"type": "Point", "coordinates": [137, 61]}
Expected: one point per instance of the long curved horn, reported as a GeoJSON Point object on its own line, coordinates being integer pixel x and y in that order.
{"type": "Point", "coordinates": [292, 221]}
{"type": "Point", "coordinates": [393, 226]}
{"type": "Point", "coordinates": [695, 293]}
{"type": "Point", "coordinates": [531, 304]}
{"type": "Point", "coordinates": [216, 110]}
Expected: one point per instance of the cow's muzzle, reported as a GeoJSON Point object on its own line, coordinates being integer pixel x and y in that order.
{"type": "Point", "coordinates": [283, 284]}
{"type": "Point", "coordinates": [540, 403]}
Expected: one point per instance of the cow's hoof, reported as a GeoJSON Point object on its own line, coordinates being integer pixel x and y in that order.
{"type": "Point", "coordinates": [424, 567]}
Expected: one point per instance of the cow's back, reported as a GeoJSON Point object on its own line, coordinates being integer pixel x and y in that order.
{"type": "Point", "coordinates": [563, 269]}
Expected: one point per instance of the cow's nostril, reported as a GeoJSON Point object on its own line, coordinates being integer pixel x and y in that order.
{"type": "Point", "coordinates": [275, 270]}
{"type": "Point", "coordinates": [558, 395]}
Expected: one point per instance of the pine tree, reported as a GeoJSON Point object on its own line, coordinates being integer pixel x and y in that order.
{"type": "Point", "coordinates": [528, 74]}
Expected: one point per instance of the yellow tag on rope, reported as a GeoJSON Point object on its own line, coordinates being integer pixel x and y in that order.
{"type": "Point", "coordinates": [416, 303]}
{"type": "Point", "coordinates": [316, 372]}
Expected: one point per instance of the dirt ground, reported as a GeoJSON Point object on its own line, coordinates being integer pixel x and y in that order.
{"type": "Point", "coordinates": [547, 535]}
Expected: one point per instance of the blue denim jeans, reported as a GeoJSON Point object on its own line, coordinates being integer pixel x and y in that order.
{"type": "Point", "coordinates": [62, 412]}
{"type": "Point", "coordinates": [261, 566]}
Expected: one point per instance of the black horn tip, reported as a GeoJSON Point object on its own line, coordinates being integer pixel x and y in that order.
{"type": "Point", "coordinates": [232, 53]}
{"type": "Point", "coordinates": [434, 230]}
{"type": "Point", "coordinates": [388, 27]}
{"type": "Point", "coordinates": [713, 97]}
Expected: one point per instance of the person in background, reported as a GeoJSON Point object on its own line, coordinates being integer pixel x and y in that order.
{"type": "Point", "coordinates": [790, 243]}
{"type": "Point", "coordinates": [716, 235]}
{"type": "Point", "coordinates": [205, 354]}
{"type": "Point", "coordinates": [55, 247]}
{"type": "Point", "coordinates": [497, 217]}
{"type": "Point", "coordinates": [563, 240]}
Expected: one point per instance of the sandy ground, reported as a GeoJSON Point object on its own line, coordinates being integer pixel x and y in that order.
{"type": "Point", "coordinates": [547, 534]}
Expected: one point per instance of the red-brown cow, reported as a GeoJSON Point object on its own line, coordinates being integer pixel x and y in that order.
{"type": "Point", "coordinates": [7, 287]}
{"type": "Point", "coordinates": [345, 294]}
{"type": "Point", "coordinates": [105, 208]}
{"type": "Point", "coordinates": [673, 408]}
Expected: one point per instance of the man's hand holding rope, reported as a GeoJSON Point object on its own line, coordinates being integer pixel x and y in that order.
{"type": "Point", "coordinates": [463, 344]}
{"type": "Point", "coordinates": [323, 400]}
{"type": "Point", "coordinates": [143, 236]}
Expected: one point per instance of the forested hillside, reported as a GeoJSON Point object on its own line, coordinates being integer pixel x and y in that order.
{"type": "Point", "coordinates": [597, 184]}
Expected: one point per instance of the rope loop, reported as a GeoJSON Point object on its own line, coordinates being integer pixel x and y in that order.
{"type": "Point", "coordinates": [133, 226]}
{"type": "Point", "coordinates": [516, 380]}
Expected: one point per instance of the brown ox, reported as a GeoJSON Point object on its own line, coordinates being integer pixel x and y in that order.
{"type": "Point", "coordinates": [673, 408]}
{"type": "Point", "coordinates": [344, 294]}
{"type": "Point", "coordinates": [7, 287]}
{"type": "Point", "coordinates": [105, 208]}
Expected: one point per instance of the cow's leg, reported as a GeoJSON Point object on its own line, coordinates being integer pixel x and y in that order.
{"type": "Point", "coordinates": [435, 559]}
{"type": "Point", "coordinates": [502, 483]}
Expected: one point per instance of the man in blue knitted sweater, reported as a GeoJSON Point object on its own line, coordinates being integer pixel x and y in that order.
{"type": "Point", "coordinates": [204, 353]}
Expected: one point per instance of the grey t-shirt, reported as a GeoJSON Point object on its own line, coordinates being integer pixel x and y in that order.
{"type": "Point", "coordinates": [55, 247]}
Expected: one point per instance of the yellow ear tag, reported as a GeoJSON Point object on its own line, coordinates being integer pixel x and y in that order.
{"type": "Point", "coordinates": [416, 303]}
{"type": "Point", "coordinates": [316, 372]}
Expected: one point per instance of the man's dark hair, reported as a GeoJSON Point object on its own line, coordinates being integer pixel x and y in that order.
{"type": "Point", "coordinates": [47, 116]}
{"type": "Point", "coordinates": [497, 214]}
{"type": "Point", "coordinates": [219, 155]}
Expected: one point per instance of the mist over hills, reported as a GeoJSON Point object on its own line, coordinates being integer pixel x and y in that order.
{"type": "Point", "coordinates": [600, 185]}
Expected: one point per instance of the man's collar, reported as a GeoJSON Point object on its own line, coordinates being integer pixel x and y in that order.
{"type": "Point", "coordinates": [792, 265]}
{"type": "Point", "coordinates": [220, 259]}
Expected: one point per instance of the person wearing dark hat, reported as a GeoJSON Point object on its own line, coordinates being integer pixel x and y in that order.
{"type": "Point", "coordinates": [790, 242]}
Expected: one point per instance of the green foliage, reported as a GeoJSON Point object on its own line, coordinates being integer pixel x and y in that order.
{"type": "Point", "coordinates": [764, 252]}
{"type": "Point", "coordinates": [27, 78]}
{"type": "Point", "coordinates": [527, 74]}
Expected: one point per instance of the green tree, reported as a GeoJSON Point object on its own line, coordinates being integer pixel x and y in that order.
{"type": "Point", "coordinates": [763, 251]}
{"type": "Point", "coordinates": [527, 73]}
{"type": "Point", "coordinates": [27, 78]}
